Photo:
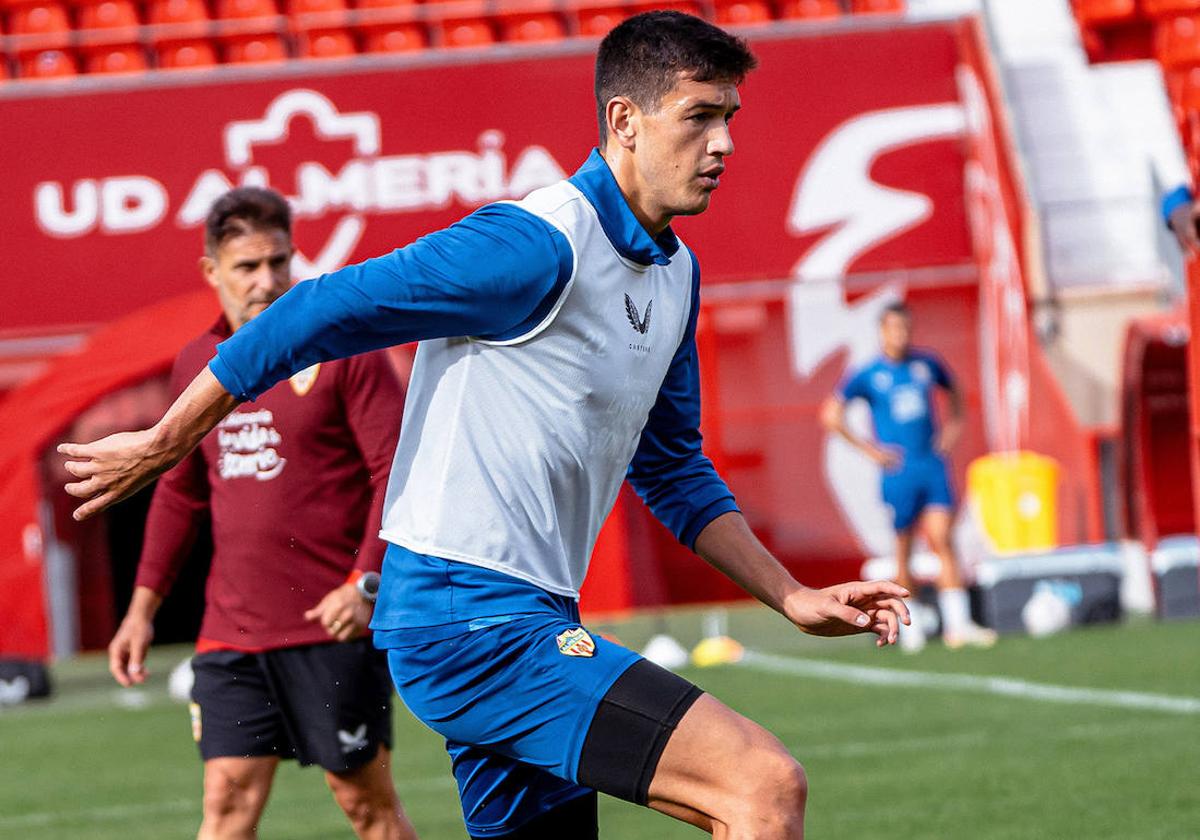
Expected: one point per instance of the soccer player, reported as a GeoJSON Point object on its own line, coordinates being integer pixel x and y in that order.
{"type": "Point", "coordinates": [557, 358]}
{"type": "Point", "coordinates": [898, 386]}
{"type": "Point", "coordinates": [293, 487]}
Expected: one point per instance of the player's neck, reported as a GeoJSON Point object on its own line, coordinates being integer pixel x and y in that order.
{"type": "Point", "coordinates": [895, 355]}
{"type": "Point", "coordinates": [651, 217]}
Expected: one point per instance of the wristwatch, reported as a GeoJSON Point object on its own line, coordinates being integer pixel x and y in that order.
{"type": "Point", "coordinates": [368, 586]}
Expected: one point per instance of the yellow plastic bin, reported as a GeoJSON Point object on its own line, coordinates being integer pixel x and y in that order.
{"type": "Point", "coordinates": [1015, 495]}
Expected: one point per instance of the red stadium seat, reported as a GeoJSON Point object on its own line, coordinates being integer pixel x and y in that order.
{"type": "Point", "coordinates": [1187, 94]}
{"type": "Point", "coordinates": [186, 55]}
{"type": "Point", "coordinates": [109, 14]}
{"type": "Point", "coordinates": [1177, 41]}
{"type": "Point", "coordinates": [542, 26]}
{"type": "Point", "coordinates": [176, 11]}
{"type": "Point", "coordinates": [242, 9]}
{"type": "Point", "coordinates": [48, 64]}
{"type": "Point", "coordinates": [309, 7]}
{"type": "Point", "coordinates": [1105, 12]}
{"type": "Point", "coordinates": [255, 49]}
{"type": "Point", "coordinates": [466, 32]}
{"type": "Point", "coordinates": [397, 38]}
{"type": "Point", "coordinates": [876, 7]}
{"type": "Point", "coordinates": [125, 58]}
{"type": "Point", "coordinates": [685, 6]}
{"type": "Point", "coordinates": [809, 9]}
{"type": "Point", "coordinates": [327, 43]}
{"type": "Point", "coordinates": [48, 21]}
{"type": "Point", "coordinates": [385, 4]}
{"type": "Point", "coordinates": [740, 12]}
{"type": "Point", "coordinates": [1166, 8]}
{"type": "Point", "coordinates": [598, 21]}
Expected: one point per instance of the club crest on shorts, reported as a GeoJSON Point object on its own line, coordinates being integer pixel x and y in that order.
{"type": "Point", "coordinates": [194, 711]}
{"type": "Point", "coordinates": [303, 381]}
{"type": "Point", "coordinates": [575, 642]}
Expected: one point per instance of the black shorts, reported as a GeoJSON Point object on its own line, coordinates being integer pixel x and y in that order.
{"type": "Point", "coordinates": [326, 704]}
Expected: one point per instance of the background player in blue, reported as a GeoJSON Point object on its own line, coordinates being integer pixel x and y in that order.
{"type": "Point", "coordinates": [898, 386]}
{"type": "Point", "coordinates": [557, 359]}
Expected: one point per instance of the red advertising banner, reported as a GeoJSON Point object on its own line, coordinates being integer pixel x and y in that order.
{"type": "Point", "coordinates": [103, 213]}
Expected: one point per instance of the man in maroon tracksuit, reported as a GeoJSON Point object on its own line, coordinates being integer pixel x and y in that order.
{"type": "Point", "coordinates": [293, 486]}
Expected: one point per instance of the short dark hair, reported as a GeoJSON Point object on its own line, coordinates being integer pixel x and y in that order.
{"type": "Point", "coordinates": [645, 56]}
{"type": "Point", "coordinates": [245, 210]}
{"type": "Point", "coordinates": [897, 307]}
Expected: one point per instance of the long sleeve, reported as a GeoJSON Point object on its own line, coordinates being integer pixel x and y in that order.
{"type": "Point", "coordinates": [374, 402]}
{"type": "Point", "coordinates": [669, 470]}
{"type": "Point", "coordinates": [495, 274]}
{"type": "Point", "coordinates": [178, 510]}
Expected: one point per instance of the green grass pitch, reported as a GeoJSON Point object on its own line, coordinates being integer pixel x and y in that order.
{"type": "Point", "coordinates": [942, 759]}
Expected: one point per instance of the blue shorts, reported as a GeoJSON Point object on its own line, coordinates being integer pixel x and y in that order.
{"type": "Point", "coordinates": [514, 696]}
{"type": "Point", "coordinates": [922, 481]}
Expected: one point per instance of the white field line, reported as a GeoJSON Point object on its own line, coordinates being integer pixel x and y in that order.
{"type": "Point", "coordinates": [100, 813]}
{"type": "Point", "coordinates": [1003, 686]}
{"type": "Point", "coordinates": [964, 739]}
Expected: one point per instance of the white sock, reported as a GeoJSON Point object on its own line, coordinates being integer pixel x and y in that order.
{"type": "Point", "coordinates": [956, 610]}
{"type": "Point", "coordinates": [916, 628]}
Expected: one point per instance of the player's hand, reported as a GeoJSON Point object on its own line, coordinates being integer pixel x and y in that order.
{"type": "Point", "coordinates": [949, 437]}
{"type": "Point", "coordinates": [344, 613]}
{"type": "Point", "coordinates": [1182, 222]}
{"type": "Point", "coordinates": [860, 607]}
{"type": "Point", "coordinates": [112, 469]}
{"type": "Point", "coordinates": [889, 459]}
{"type": "Point", "coordinates": [127, 650]}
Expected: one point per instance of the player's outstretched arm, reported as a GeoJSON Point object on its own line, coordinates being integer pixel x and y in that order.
{"type": "Point", "coordinates": [728, 544]}
{"type": "Point", "coordinates": [116, 467]}
{"type": "Point", "coordinates": [833, 418]}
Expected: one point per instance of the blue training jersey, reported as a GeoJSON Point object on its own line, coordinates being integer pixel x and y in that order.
{"type": "Point", "coordinates": [900, 394]}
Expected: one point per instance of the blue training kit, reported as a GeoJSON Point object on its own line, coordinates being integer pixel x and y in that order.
{"type": "Point", "coordinates": [900, 395]}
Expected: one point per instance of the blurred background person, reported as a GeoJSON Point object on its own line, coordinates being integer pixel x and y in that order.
{"type": "Point", "coordinates": [911, 451]}
{"type": "Point", "coordinates": [292, 486]}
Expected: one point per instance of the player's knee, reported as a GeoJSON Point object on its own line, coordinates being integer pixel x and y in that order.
{"type": "Point", "coordinates": [362, 805]}
{"type": "Point", "coordinates": [230, 801]}
{"type": "Point", "coordinates": [786, 787]}
{"type": "Point", "coordinates": [777, 790]}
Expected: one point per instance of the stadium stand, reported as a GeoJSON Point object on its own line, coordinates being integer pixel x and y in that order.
{"type": "Point", "coordinates": [45, 39]}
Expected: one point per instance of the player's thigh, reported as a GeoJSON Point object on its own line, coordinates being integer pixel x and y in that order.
{"type": "Point", "coordinates": [336, 701]}
{"type": "Point", "coordinates": [507, 799]}
{"type": "Point", "coordinates": [720, 764]}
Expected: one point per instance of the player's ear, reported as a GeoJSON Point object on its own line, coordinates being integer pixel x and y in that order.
{"type": "Point", "coordinates": [208, 269]}
{"type": "Point", "coordinates": [623, 117]}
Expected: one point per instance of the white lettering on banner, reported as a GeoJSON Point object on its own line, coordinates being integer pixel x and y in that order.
{"type": "Point", "coordinates": [247, 442]}
{"type": "Point", "coordinates": [124, 204]}
{"type": "Point", "coordinates": [211, 185]}
{"type": "Point", "coordinates": [835, 190]}
{"type": "Point", "coordinates": [131, 204]}
{"type": "Point", "coordinates": [52, 214]}
{"type": "Point", "coordinates": [368, 183]}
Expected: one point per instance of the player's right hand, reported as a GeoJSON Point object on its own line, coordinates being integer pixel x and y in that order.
{"type": "Point", "coordinates": [112, 469]}
{"type": "Point", "coordinates": [889, 459]}
{"type": "Point", "coordinates": [127, 651]}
